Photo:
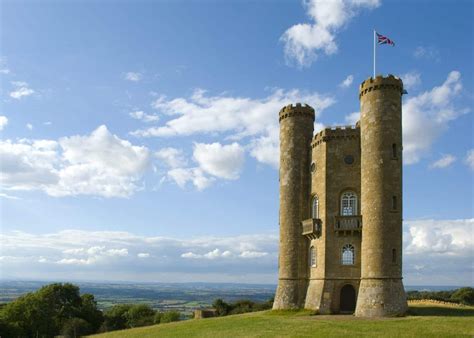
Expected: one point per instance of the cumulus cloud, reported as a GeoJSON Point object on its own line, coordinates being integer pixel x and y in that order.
{"type": "Point", "coordinates": [411, 80]}
{"type": "Point", "coordinates": [305, 41]}
{"type": "Point", "coordinates": [182, 176]}
{"type": "Point", "coordinates": [76, 165]}
{"type": "Point", "coordinates": [237, 117]}
{"type": "Point", "coordinates": [172, 157]}
{"type": "Point", "coordinates": [140, 115]}
{"type": "Point", "coordinates": [133, 76]}
{"type": "Point", "coordinates": [3, 121]}
{"type": "Point", "coordinates": [347, 81]}
{"type": "Point", "coordinates": [427, 115]}
{"type": "Point", "coordinates": [29, 126]}
{"type": "Point", "coordinates": [469, 160]}
{"type": "Point", "coordinates": [443, 162]}
{"type": "Point", "coordinates": [223, 161]}
{"type": "Point", "coordinates": [21, 90]}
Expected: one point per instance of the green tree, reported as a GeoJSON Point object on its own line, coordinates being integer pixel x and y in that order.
{"type": "Point", "coordinates": [140, 315]}
{"type": "Point", "coordinates": [464, 296]}
{"type": "Point", "coordinates": [222, 308]}
{"type": "Point", "coordinates": [115, 318]}
{"type": "Point", "coordinates": [76, 327]}
{"type": "Point", "coordinates": [170, 316]}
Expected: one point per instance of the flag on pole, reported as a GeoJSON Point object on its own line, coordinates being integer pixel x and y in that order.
{"type": "Point", "coordinates": [383, 40]}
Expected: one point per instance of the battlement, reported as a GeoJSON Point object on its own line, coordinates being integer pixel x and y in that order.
{"type": "Point", "coordinates": [381, 83]}
{"type": "Point", "coordinates": [296, 109]}
{"type": "Point", "coordinates": [336, 133]}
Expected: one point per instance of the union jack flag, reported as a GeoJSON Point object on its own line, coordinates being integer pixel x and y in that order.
{"type": "Point", "coordinates": [383, 40]}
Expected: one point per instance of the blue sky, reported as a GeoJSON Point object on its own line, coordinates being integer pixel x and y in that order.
{"type": "Point", "coordinates": [139, 140]}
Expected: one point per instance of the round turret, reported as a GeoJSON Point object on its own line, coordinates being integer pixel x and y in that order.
{"type": "Point", "coordinates": [381, 291]}
{"type": "Point", "coordinates": [296, 131]}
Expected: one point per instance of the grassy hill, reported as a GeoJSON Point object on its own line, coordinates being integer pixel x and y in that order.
{"type": "Point", "coordinates": [425, 320]}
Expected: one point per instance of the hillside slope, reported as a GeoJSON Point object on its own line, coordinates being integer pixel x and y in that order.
{"type": "Point", "coordinates": [426, 320]}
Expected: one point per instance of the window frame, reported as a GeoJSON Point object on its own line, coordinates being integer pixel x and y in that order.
{"type": "Point", "coordinates": [313, 260]}
{"type": "Point", "coordinates": [351, 197]}
{"type": "Point", "coordinates": [348, 261]}
{"type": "Point", "coordinates": [313, 205]}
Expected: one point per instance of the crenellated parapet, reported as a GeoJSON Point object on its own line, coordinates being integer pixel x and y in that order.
{"type": "Point", "coordinates": [296, 110]}
{"type": "Point", "coordinates": [381, 83]}
{"type": "Point", "coordinates": [336, 133]}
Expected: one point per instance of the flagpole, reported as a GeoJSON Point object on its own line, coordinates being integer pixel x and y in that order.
{"type": "Point", "coordinates": [374, 53]}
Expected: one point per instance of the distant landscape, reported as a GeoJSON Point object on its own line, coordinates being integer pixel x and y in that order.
{"type": "Point", "coordinates": [181, 297]}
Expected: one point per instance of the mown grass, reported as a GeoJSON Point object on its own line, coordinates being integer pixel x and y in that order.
{"type": "Point", "coordinates": [424, 320]}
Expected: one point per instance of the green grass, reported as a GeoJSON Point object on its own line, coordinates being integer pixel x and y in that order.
{"type": "Point", "coordinates": [426, 320]}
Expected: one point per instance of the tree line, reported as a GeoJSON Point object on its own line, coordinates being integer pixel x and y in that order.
{"type": "Point", "coordinates": [460, 296]}
{"type": "Point", "coordinates": [60, 309]}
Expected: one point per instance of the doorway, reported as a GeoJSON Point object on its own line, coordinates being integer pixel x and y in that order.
{"type": "Point", "coordinates": [348, 299]}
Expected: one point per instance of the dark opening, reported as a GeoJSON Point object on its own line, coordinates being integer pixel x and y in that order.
{"type": "Point", "coordinates": [394, 202]}
{"type": "Point", "coordinates": [394, 255]}
{"type": "Point", "coordinates": [348, 299]}
{"type": "Point", "coordinates": [394, 150]}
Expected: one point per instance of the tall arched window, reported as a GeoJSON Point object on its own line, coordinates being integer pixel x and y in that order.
{"type": "Point", "coordinates": [348, 204]}
{"type": "Point", "coordinates": [312, 257]}
{"type": "Point", "coordinates": [347, 255]}
{"type": "Point", "coordinates": [315, 207]}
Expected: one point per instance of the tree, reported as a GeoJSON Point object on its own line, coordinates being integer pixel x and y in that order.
{"type": "Point", "coordinates": [464, 296]}
{"type": "Point", "coordinates": [115, 318]}
{"type": "Point", "coordinates": [222, 308]}
{"type": "Point", "coordinates": [76, 327]}
{"type": "Point", "coordinates": [140, 315]}
{"type": "Point", "coordinates": [170, 316]}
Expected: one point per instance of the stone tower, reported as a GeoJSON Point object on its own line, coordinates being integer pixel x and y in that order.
{"type": "Point", "coordinates": [296, 132]}
{"type": "Point", "coordinates": [381, 291]}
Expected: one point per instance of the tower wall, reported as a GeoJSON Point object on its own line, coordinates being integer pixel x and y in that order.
{"type": "Point", "coordinates": [296, 131]}
{"type": "Point", "coordinates": [381, 291]}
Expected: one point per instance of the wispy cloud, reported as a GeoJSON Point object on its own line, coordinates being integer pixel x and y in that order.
{"type": "Point", "coordinates": [133, 76]}
{"type": "Point", "coordinates": [411, 80]}
{"type": "Point", "coordinates": [469, 160]}
{"type": "Point", "coordinates": [21, 90]}
{"type": "Point", "coordinates": [444, 162]}
{"type": "Point", "coordinates": [142, 116]}
{"type": "Point", "coordinates": [3, 121]}
{"type": "Point", "coordinates": [347, 81]}
{"type": "Point", "coordinates": [427, 53]}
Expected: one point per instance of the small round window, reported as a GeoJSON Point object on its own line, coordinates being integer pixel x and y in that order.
{"type": "Point", "coordinates": [349, 159]}
{"type": "Point", "coordinates": [313, 167]}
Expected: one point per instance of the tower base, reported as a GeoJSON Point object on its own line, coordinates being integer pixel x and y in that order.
{"type": "Point", "coordinates": [290, 294]}
{"type": "Point", "coordinates": [381, 298]}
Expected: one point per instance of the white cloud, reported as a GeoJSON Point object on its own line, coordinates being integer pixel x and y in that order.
{"type": "Point", "coordinates": [427, 115]}
{"type": "Point", "coordinates": [411, 80]}
{"type": "Point", "coordinates": [353, 118]}
{"type": "Point", "coordinates": [181, 176]}
{"type": "Point", "coordinates": [303, 42]}
{"type": "Point", "coordinates": [443, 162]}
{"type": "Point", "coordinates": [21, 90]}
{"type": "Point", "coordinates": [469, 160]}
{"type": "Point", "coordinates": [438, 250]}
{"type": "Point", "coordinates": [29, 126]}
{"type": "Point", "coordinates": [74, 165]}
{"type": "Point", "coordinates": [4, 71]}
{"type": "Point", "coordinates": [240, 117]}
{"type": "Point", "coordinates": [3, 121]}
{"type": "Point", "coordinates": [133, 76]}
{"type": "Point", "coordinates": [223, 161]}
{"type": "Point", "coordinates": [173, 157]}
{"type": "Point", "coordinates": [9, 197]}
{"type": "Point", "coordinates": [347, 81]}
{"type": "Point", "coordinates": [140, 115]}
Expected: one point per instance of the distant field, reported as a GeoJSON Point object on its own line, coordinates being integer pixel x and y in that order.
{"type": "Point", "coordinates": [424, 320]}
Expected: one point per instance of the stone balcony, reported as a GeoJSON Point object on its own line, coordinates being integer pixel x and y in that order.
{"type": "Point", "coordinates": [311, 228]}
{"type": "Point", "coordinates": [348, 224]}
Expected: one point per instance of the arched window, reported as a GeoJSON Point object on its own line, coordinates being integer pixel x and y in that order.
{"type": "Point", "coordinates": [312, 257]}
{"type": "Point", "coordinates": [348, 255]}
{"type": "Point", "coordinates": [315, 207]}
{"type": "Point", "coordinates": [348, 204]}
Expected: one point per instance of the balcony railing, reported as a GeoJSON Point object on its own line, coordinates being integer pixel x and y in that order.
{"type": "Point", "coordinates": [348, 223]}
{"type": "Point", "coordinates": [311, 228]}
